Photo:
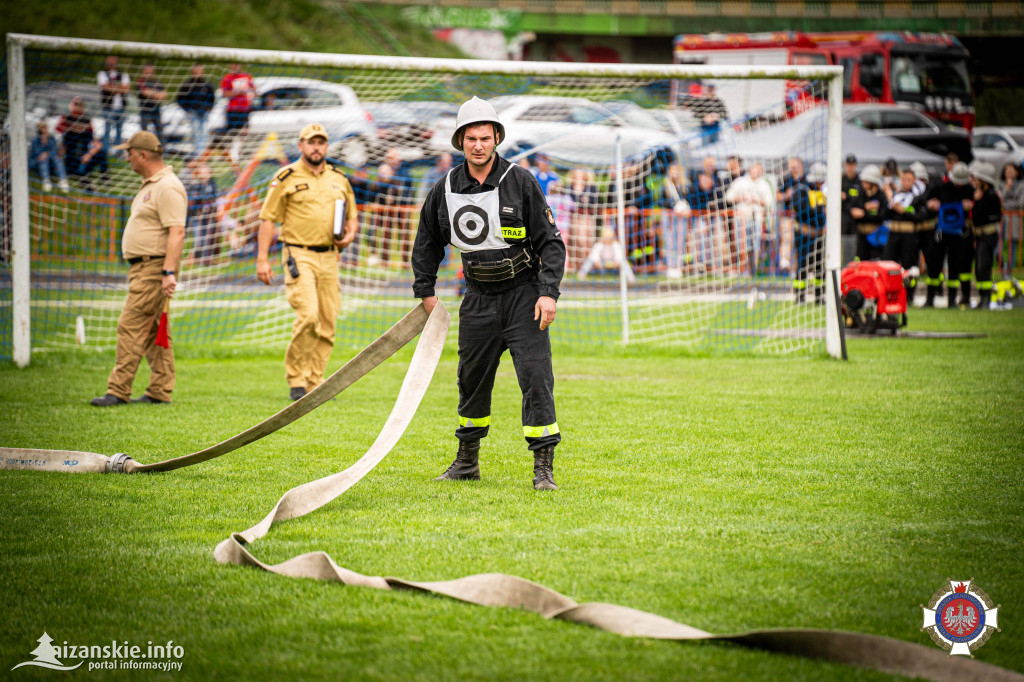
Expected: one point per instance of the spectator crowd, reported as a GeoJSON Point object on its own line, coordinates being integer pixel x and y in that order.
{"type": "Point", "coordinates": [712, 216]}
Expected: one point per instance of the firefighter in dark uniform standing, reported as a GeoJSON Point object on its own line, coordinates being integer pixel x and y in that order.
{"type": "Point", "coordinates": [851, 190]}
{"type": "Point", "coordinates": [952, 203]}
{"type": "Point", "coordinates": [907, 211]}
{"type": "Point", "coordinates": [513, 257]}
{"type": "Point", "coordinates": [925, 188]}
{"type": "Point", "coordinates": [809, 217]}
{"type": "Point", "coordinates": [987, 217]}
{"type": "Point", "coordinates": [869, 210]}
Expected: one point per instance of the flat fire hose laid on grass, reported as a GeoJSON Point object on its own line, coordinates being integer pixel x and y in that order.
{"type": "Point", "coordinates": [495, 589]}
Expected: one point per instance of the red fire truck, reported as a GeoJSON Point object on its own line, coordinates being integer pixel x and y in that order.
{"type": "Point", "coordinates": [925, 70]}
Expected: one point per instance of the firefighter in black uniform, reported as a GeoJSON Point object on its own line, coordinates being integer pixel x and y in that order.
{"type": "Point", "coordinates": [513, 258]}
{"type": "Point", "coordinates": [952, 203]}
{"type": "Point", "coordinates": [809, 217]}
{"type": "Point", "coordinates": [986, 217]}
{"type": "Point", "coordinates": [851, 190]}
{"type": "Point", "coordinates": [869, 210]}
{"type": "Point", "coordinates": [907, 211]}
{"type": "Point", "coordinates": [925, 189]}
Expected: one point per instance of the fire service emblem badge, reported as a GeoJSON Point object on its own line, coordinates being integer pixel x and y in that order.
{"type": "Point", "coordinates": [960, 617]}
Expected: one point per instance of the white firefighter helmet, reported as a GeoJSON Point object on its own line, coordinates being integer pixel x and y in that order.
{"type": "Point", "coordinates": [871, 174]}
{"type": "Point", "coordinates": [960, 175]}
{"type": "Point", "coordinates": [474, 111]}
{"type": "Point", "coordinates": [817, 173]}
{"type": "Point", "coordinates": [983, 170]}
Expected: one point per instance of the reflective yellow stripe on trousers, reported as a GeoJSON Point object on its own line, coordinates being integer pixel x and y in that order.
{"type": "Point", "coordinates": [474, 421]}
{"type": "Point", "coordinates": [540, 431]}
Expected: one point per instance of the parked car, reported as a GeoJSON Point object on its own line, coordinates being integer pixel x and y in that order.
{"type": "Point", "coordinates": [285, 105]}
{"type": "Point", "coordinates": [569, 129]}
{"type": "Point", "coordinates": [999, 145]}
{"type": "Point", "coordinates": [680, 122]}
{"type": "Point", "coordinates": [911, 126]}
{"type": "Point", "coordinates": [407, 127]}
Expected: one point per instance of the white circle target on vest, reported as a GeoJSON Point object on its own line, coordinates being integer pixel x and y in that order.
{"type": "Point", "coordinates": [471, 225]}
{"type": "Point", "coordinates": [474, 218]}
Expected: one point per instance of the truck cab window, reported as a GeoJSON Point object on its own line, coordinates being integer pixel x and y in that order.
{"type": "Point", "coordinates": [871, 73]}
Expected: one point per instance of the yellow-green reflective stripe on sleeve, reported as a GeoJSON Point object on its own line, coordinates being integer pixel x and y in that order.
{"type": "Point", "coordinates": [474, 421]}
{"type": "Point", "coordinates": [539, 431]}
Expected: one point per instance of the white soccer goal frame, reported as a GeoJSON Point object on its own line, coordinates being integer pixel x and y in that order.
{"type": "Point", "coordinates": [18, 43]}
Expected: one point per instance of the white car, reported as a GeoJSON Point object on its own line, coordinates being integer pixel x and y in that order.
{"type": "Point", "coordinates": [568, 129]}
{"type": "Point", "coordinates": [999, 145]}
{"type": "Point", "coordinates": [283, 105]}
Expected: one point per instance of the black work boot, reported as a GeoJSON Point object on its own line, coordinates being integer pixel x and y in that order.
{"type": "Point", "coordinates": [929, 301]}
{"type": "Point", "coordinates": [466, 466]}
{"type": "Point", "coordinates": [543, 476]}
{"type": "Point", "coordinates": [951, 293]}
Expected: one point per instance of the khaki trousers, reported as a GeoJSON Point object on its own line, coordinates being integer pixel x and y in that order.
{"type": "Point", "coordinates": [136, 333]}
{"type": "Point", "coordinates": [315, 295]}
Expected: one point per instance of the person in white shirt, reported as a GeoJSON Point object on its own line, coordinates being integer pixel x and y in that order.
{"type": "Point", "coordinates": [753, 198]}
{"type": "Point", "coordinates": [114, 86]}
{"type": "Point", "coordinates": [607, 255]}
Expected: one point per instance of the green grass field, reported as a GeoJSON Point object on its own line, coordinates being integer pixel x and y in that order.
{"type": "Point", "coordinates": [727, 493]}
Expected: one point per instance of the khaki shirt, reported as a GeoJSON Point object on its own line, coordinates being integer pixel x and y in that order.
{"type": "Point", "coordinates": [304, 203]}
{"type": "Point", "coordinates": [160, 204]}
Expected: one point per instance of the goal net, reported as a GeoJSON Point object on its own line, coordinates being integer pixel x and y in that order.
{"type": "Point", "coordinates": [678, 214]}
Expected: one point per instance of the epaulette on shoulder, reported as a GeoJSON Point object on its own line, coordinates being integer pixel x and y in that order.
{"type": "Point", "coordinates": [335, 169]}
{"type": "Point", "coordinates": [285, 173]}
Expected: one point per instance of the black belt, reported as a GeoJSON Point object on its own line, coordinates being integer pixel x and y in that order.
{"type": "Point", "coordinates": [499, 270]}
{"type": "Point", "coordinates": [318, 249]}
{"type": "Point", "coordinates": [143, 259]}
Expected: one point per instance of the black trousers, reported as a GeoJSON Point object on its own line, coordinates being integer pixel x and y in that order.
{"type": "Point", "coordinates": [902, 248]}
{"type": "Point", "coordinates": [986, 253]}
{"type": "Point", "coordinates": [925, 242]}
{"type": "Point", "coordinates": [488, 325]}
{"type": "Point", "coordinates": [865, 250]}
{"type": "Point", "coordinates": [957, 251]}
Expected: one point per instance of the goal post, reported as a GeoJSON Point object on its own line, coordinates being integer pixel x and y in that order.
{"type": "Point", "coordinates": [702, 277]}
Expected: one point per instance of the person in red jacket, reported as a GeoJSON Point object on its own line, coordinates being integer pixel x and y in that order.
{"type": "Point", "coordinates": [240, 90]}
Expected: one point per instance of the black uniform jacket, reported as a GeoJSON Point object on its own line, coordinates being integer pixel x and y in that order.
{"type": "Point", "coordinates": [873, 216]}
{"type": "Point", "coordinates": [521, 204]}
{"type": "Point", "coordinates": [988, 209]}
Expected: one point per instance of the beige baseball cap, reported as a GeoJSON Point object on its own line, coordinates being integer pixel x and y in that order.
{"type": "Point", "coordinates": [312, 130]}
{"type": "Point", "coordinates": [142, 140]}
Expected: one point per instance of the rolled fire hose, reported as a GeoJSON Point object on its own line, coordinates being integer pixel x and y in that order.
{"type": "Point", "coordinates": [492, 589]}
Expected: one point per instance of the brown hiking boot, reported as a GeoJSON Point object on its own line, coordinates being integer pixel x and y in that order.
{"type": "Point", "coordinates": [543, 476]}
{"type": "Point", "coordinates": [466, 466]}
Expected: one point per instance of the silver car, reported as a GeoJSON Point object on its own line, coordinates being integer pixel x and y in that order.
{"type": "Point", "coordinates": [999, 145]}
{"type": "Point", "coordinates": [283, 105]}
{"type": "Point", "coordinates": [570, 129]}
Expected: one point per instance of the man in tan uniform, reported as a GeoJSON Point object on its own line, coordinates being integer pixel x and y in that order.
{"type": "Point", "coordinates": [303, 197]}
{"type": "Point", "coordinates": [152, 244]}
